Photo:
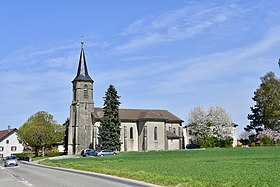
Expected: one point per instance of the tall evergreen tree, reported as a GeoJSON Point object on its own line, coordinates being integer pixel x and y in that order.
{"type": "Point", "coordinates": [266, 111]}
{"type": "Point", "coordinates": [109, 129]}
{"type": "Point", "coordinates": [65, 138]}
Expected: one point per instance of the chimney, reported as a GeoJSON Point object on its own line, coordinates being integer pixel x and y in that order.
{"type": "Point", "coordinates": [9, 128]}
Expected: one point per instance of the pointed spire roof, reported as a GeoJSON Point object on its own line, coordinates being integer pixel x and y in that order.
{"type": "Point", "coordinates": [82, 73]}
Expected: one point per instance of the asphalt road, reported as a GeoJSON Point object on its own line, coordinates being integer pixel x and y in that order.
{"type": "Point", "coordinates": [27, 174]}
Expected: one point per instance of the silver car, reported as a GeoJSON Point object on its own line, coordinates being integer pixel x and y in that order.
{"type": "Point", "coordinates": [105, 153]}
{"type": "Point", "coordinates": [10, 161]}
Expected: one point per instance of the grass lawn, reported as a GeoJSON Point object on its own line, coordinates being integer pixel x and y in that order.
{"type": "Point", "coordinates": [211, 167]}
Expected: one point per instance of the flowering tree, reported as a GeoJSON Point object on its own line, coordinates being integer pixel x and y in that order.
{"type": "Point", "coordinates": [220, 122]}
{"type": "Point", "coordinates": [268, 136]}
{"type": "Point", "coordinates": [197, 122]}
{"type": "Point", "coordinates": [212, 128]}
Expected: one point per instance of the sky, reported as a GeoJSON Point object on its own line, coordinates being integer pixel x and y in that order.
{"type": "Point", "coordinates": [172, 55]}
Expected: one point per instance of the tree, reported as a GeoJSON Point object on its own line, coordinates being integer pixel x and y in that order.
{"type": "Point", "coordinates": [109, 129]}
{"type": "Point", "coordinates": [211, 129]}
{"type": "Point", "coordinates": [40, 130]}
{"type": "Point", "coordinates": [65, 138]}
{"type": "Point", "coordinates": [197, 122]}
{"type": "Point", "coordinates": [220, 122]}
{"type": "Point", "coordinates": [266, 111]}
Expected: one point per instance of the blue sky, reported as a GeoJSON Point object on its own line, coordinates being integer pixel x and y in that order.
{"type": "Point", "coordinates": [172, 55]}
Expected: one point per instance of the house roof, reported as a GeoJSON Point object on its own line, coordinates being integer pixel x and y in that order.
{"type": "Point", "coordinates": [171, 135]}
{"type": "Point", "coordinates": [141, 115]}
{"type": "Point", "coordinates": [5, 133]}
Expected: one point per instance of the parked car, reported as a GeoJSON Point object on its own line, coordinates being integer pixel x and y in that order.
{"type": "Point", "coordinates": [10, 161]}
{"type": "Point", "coordinates": [192, 146]}
{"type": "Point", "coordinates": [88, 152]}
{"type": "Point", "coordinates": [105, 153]}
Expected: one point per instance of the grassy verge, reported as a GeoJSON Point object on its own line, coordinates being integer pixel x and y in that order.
{"type": "Point", "coordinates": [211, 167]}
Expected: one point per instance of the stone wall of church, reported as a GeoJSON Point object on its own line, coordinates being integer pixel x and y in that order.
{"type": "Point", "coordinates": [173, 144]}
{"type": "Point", "coordinates": [155, 135]}
{"type": "Point", "coordinates": [129, 136]}
{"type": "Point", "coordinates": [175, 128]}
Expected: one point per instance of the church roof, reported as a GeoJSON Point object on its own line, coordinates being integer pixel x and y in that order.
{"type": "Point", "coordinates": [141, 115]}
{"type": "Point", "coordinates": [5, 133]}
{"type": "Point", "coordinates": [171, 135]}
{"type": "Point", "coordinates": [82, 73]}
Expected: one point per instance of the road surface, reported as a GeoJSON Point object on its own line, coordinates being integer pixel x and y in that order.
{"type": "Point", "coordinates": [27, 174]}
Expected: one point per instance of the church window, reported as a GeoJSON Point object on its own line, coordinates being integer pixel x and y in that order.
{"type": "Point", "coordinates": [131, 133]}
{"type": "Point", "coordinates": [1, 148]}
{"type": "Point", "coordinates": [85, 92]}
{"type": "Point", "coordinates": [7, 141]}
{"type": "Point", "coordinates": [155, 133]}
{"type": "Point", "coordinates": [174, 130]}
{"type": "Point", "coordinates": [1, 155]}
{"type": "Point", "coordinates": [13, 148]}
{"type": "Point", "coordinates": [145, 131]}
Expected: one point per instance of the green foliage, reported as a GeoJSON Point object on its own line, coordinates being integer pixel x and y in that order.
{"type": "Point", "coordinates": [109, 129]}
{"type": "Point", "coordinates": [22, 156]}
{"type": "Point", "coordinates": [266, 111]}
{"type": "Point", "coordinates": [207, 141]}
{"type": "Point", "coordinates": [40, 130]}
{"type": "Point", "coordinates": [66, 127]}
{"type": "Point", "coordinates": [53, 152]}
{"type": "Point", "coordinates": [266, 140]}
{"type": "Point", "coordinates": [211, 167]}
{"type": "Point", "coordinates": [210, 142]}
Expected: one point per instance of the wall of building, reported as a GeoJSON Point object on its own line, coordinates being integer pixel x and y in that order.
{"type": "Point", "coordinates": [175, 128]}
{"type": "Point", "coordinates": [10, 145]}
{"type": "Point", "coordinates": [155, 143]}
{"type": "Point", "coordinates": [173, 144]}
{"type": "Point", "coordinates": [129, 136]}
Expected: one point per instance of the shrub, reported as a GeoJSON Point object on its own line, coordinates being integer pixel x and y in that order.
{"type": "Point", "coordinates": [265, 140]}
{"type": "Point", "coordinates": [23, 156]}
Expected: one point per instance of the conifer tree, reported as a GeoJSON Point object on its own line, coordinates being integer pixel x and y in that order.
{"type": "Point", "coordinates": [266, 111]}
{"type": "Point", "coordinates": [109, 129]}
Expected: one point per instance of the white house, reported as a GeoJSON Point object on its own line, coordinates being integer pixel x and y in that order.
{"type": "Point", "coordinates": [9, 143]}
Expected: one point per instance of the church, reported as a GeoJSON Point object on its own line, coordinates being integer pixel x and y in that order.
{"type": "Point", "coordinates": [141, 129]}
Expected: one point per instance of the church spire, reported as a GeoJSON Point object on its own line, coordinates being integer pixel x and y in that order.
{"type": "Point", "coordinates": [82, 73]}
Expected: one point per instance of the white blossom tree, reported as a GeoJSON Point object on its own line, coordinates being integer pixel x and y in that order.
{"type": "Point", "coordinates": [220, 122]}
{"type": "Point", "coordinates": [197, 122]}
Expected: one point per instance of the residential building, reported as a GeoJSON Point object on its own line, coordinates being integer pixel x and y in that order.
{"type": "Point", "coordinates": [9, 143]}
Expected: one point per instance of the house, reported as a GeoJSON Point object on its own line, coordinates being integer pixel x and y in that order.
{"type": "Point", "coordinates": [9, 143]}
{"type": "Point", "coordinates": [141, 129]}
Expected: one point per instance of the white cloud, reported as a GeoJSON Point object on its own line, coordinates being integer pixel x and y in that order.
{"type": "Point", "coordinates": [174, 25]}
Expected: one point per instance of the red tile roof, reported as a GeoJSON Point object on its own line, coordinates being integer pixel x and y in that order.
{"type": "Point", "coordinates": [4, 133]}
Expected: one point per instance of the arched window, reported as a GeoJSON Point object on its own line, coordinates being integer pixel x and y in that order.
{"type": "Point", "coordinates": [131, 133]}
{"type": "Point", "coordinates": [155, 133]}
{"type": "Point", "coordinates": [174, 130]}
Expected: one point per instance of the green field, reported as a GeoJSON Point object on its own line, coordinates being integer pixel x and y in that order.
{"type": "Point", "coordinates": [211, 167]}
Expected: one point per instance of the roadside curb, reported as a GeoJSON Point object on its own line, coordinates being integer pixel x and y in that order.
{"type": "Point", "coordinates": [89, 173]}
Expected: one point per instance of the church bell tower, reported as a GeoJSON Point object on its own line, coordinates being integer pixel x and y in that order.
{"type": "Point", "coordinates": [80, 127]}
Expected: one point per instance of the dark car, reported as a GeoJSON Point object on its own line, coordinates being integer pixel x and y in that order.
{"type": "Point", "coordinates": [88, 152]}
{"type": "Point", "coordinates": [105, 153]}
{"type": "Point", "coordinates": [10, 161]}
{"type": "Point", "coordinates": [192, 146]}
